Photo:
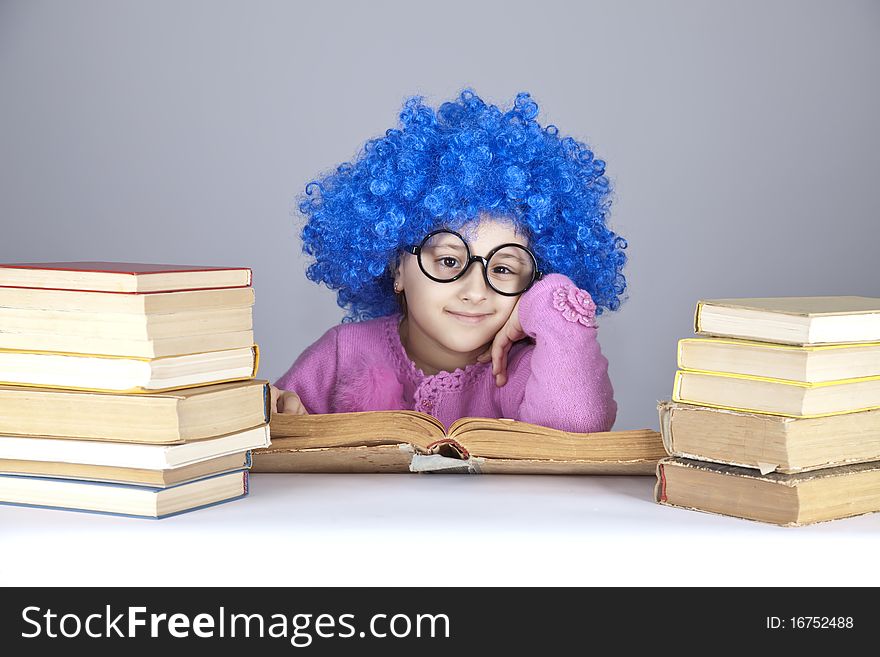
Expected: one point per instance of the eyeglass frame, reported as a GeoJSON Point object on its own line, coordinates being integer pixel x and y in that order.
{"type": "Point", "coordinates": [416, 249]}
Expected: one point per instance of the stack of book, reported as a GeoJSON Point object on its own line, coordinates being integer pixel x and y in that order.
{"type": "Point", "coordinates": [127, 388]}
{"type": "Point", "coordinates": [776, 416]}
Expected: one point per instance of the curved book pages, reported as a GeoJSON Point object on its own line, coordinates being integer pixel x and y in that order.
{"type": "Point", "coordinates": [410, 441]}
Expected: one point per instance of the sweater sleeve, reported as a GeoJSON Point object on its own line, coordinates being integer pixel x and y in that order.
{"type": "Point", "coordinates": [562, 381]}
{"type": "Point", "coordinates": [313, 375]}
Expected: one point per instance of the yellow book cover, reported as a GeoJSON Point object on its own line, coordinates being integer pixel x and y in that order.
{"type": "Point", "coordinates": [102, 373]}
{"type": "Point", "coordinates": [810, 364]}
{"type": "Point", "coordinates": [776, 396]}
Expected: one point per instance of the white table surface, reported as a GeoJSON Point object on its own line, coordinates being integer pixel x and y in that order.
{"type": "Point", "coordinates": [316, 530]}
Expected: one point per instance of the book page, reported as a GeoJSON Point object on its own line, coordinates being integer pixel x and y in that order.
{"type": "Point", "coordinates": [353, 429]}
{"type": "Point", "coordinates": [512, 439]}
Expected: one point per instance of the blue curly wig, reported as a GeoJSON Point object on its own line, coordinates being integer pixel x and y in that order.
{"type": "Point", "coordinates": [446, 168]}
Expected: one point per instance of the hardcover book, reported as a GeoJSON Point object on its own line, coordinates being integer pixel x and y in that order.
{"type": "Point", "coordinates": [125, 326]}
{"type": "Point", "coordinates": [141, 476]}
{"type": "Point", "coordinates": [157, 303]}
{"type": "Point", "coordinates": [121, 374]}
{"type": "Point", "coordinates": [813, 364]}
{"type": "Point", "coordinates": [122, 499]}
{"type": "Point", "coordinates": [86, 345]}
{"type": "Point", "coordinates": [782, 499]}
{"type": "Point", "coordinates": [134, 325]}
{"type": "Point", "coordinates": [410, 441]}
{"type": "Point", "coordinates": [791, 320]}
{"type": "Point", "coordinates": [131, 455]}
{"type": "Point", "coordinates": [769, 442]}
{"type": "Point", "coordinates": [130, 277]}
{"type": "Point", "coordinates": [776, 396]}
{"type": "Point", "coordinates": [161, 418]}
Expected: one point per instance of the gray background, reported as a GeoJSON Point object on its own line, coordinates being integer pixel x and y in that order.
{"type": "Point", "coordinates": [741, 138]}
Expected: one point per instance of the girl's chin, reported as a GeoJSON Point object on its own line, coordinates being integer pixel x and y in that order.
{"type": "Point", "coordinates": [467, 349]}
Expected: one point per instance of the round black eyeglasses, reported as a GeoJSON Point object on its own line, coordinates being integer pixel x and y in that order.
{"type": "Point", "coordinates": [509, 269]}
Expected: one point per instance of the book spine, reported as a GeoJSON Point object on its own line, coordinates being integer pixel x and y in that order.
{"type": "Point", "coordinates": [256, 361]}
{"type": "Point", "coordinates": [665, 412]}
{"type": "Point", "coordinates": [660, 492]}
{"type": "Point", "coordinates": [267, 404]}
{"type": "Point", "coordinates": [697, 313]}
{"type": "Point", "coordinates": [457, 446]}
{"type": "Point", "coordinates": [676, 386]}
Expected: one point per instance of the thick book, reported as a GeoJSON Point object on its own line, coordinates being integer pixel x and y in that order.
{"type": "Point", "coordinates": [154, 348]}
{"type": "Point", "coordinates": [157, 303]}
{"type": "Point", "coordinates": [140, 476]}
{"type": "Point", "coordinates": [122, 499]}
{"type": "Point", "coordinates": [38, 324]}
{"type": "Point", "coordinates": [791, 320]}
{"type": "Point", "coordinates": [161, 418]}
{"type": "Point", "coordinates": [782, 499]}
{"type": "Point", "coordinates": [133, 325]}
{"type": "Point", "coordinates": [131, 455]}
{"type": "Point", "coordinates": [126, 374]}
{"type": "Point", "coordinates": [812, 364]}
{"type": "Point", "coordinates": [769, 443]}
{"type": "Point", "coordinates": [164, 347]}
{"type": "Point", "coordinates": [129, 277]}
{"type": "Point", "coordinates": [776, 396]}
{"type": "Point", "coordinates": [410, 441]}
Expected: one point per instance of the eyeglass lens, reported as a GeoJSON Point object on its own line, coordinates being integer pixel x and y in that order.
{"type": "Point", "coordinates": [444, 256]}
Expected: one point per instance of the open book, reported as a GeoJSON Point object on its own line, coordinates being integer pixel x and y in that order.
{"type": "Point", "coordinates": [410, 441]}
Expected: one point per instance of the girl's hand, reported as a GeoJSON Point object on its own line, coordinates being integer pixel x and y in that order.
{"type": "Point", "coordinates": [284, 401]}
{"type": "Point", "coordinates": [504, 339]}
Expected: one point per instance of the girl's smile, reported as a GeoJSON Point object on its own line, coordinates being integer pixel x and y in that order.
{"type": "Point", "coordinates": [469, 318]}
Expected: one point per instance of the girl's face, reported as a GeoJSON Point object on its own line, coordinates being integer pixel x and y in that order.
{"type": "Point", "coordinates": [449, 324]}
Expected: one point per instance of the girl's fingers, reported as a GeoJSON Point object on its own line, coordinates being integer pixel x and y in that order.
{"type": "Point", "coordinates": [498, 352]}
{"type": "Point", "coordinates": [273, 395]}
{"type": "Point", "coordinates": [501, 345]}
{"type": "Point", "coordinates": [292, 404]}
{"type": "Point", "coordinates": [501, 377]}
{"type": "Point", "coordinates": [499, 359]}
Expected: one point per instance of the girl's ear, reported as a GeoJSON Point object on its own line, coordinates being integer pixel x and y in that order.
{"type": "Point", "coordinates": [397, 270]}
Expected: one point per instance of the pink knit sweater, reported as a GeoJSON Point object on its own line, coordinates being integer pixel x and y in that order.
{"type": "Point", "coordinates": [557, 378]}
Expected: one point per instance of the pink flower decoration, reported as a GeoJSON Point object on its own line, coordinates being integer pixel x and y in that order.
{"type": "Point", "coordinates": [576, 305]}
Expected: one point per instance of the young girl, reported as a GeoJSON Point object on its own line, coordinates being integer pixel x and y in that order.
{"type": "Point", "coordinates": [471, 251]}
